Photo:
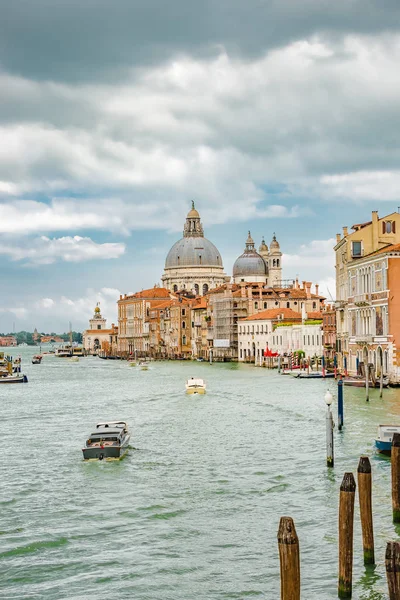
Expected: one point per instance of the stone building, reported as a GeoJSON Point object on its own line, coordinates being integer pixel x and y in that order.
{"type": "Point", "coordinates": [98, 336]}
{"type": "Point", "coordinates": [133, 319]}
{"type": "Point", "coordinates": [367, 302]}
{"type": "Point", "coordinates": [281, 330]}
{"type": "Point", "coordinates": [193, 263]}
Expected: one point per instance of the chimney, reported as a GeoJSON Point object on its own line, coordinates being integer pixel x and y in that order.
{"type": "Point", "coordinates": [304, 285]}
{"type": "Point", "coordinates": [375, 230]}
{"type": "Point", "coordinates": [296, 286]}
{"type": "Point", "coordinates": [338, 238]}
{"type": "Point", "coordinates": [120, 296]}
{"type": "Point", "coordinates": [345, 231]}
{"type": "Point", "coordinates": [316, 289]}
{"type": "Point", "coordinates": [308, 289]}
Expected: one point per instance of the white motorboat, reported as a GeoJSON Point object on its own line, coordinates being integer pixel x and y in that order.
{"type": "Point", "coordinates": [383, 442]}
{"type": "Point", "coordinates": [144, 366]}
{"type": "Point", "coordinates": [195, 385]}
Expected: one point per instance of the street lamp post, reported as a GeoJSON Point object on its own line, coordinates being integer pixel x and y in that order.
{"type": "Point", "coordinates": [329, 430]}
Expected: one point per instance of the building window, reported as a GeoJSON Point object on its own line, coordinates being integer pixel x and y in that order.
{"type": "Point", "coordinates": [183, 325]}
{"type": "Point", "coordinates": [240, 329]}
{"type": "Point", "coordinates": [287, 304]}
{"type": "Point", "coordinates": [183, 312]}
{"type": "Point", "coordinates": [255, 304]}
{"type": "Point", "coordinates": [175, 288]}
{"type": "Point", "coordinates": [314, 305]}
{"type": "Point", "coordinates": [356, 249]}
{"type": "Point", "coordinates": [241, 353]}
{"type": "Point", "coordinates": [388, 226]}
{"type": "Point", "coordinates": [265, 305]}
{"type": "Point", "coordinates": [205, 288]}
{"type": "Point", "coordinates": [98, 326]}
{"type": "Point", "coordinates": [196, 289]}
{"type": "Point", "coordinates": [184, 340]}
{"type": "Point", "coordinates": [262, 328]}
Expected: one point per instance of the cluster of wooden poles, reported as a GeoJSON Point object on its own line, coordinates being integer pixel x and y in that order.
{"type": "Point", "coordinates": [288, 542]}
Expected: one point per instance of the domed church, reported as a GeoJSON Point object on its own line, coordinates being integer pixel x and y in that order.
{"type": "Point", "coordinates": [193, 263]}
{"type": "Point", "coordinates": [264, 266]}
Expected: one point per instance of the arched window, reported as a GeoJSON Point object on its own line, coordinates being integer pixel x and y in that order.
{"type": "Point", "coordinates": [196, 289]}
{"type": "Point", "coordinates": [205, 288]}
{"type": "Point", "coordinates": [314, 305]}
{"type": "Point", "coordinates": [274, 263]}
{"type": "Point", "coordinates": [175, 288]}
{"type": "Point", "coordinates": [183, 324]}
{"type": "Point", "coordinates": [184, 340]}
{"type": "Point", "coordinates": [277, 262]}
{"type": "Point", "coordinates": [287, 304]}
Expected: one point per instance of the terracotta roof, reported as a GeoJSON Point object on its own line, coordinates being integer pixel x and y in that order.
{"type": "Point", "coordinates": [315, 315]}
{"type": "Point", "coordinates": [155, 292]}
{"type": "Point", "coordinates": [390, 248]}
{"type": "Point", "coordinates": [164, 304]}
{"type": "Point", "coordinates": [358, 226]}
{"type": "Point", "coordinates": [273, 314]}
{"type": "Point", "coordinates": [201, 303]}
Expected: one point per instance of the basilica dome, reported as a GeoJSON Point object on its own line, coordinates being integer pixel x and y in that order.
{"type": "Point", "coordinates": [193, 252]}
{"type": "Point", "coordinates": [193, 262]}
{"type": "Point", "coordinates": [250, 266]}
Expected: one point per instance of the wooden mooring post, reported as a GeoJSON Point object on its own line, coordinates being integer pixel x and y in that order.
{"type": "Point", "coordinates": [392, 564]}
{"type": "Point", "coordinates": [396, 477]}
{"type": "Point", "coordinates": [364, 477]}
{"type": "Point", "coordinates": [346, 522]}
{"type": "Point", "coordinates": [289, 558]}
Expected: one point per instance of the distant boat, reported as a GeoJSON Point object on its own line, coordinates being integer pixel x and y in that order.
{"type": "Point", "coordinates": [37, 359]}
{"type": "Point", "coordinates": [110, 441]}
{"type": "Point", "coordinates": [383, 442]}
{"type": "Point", "coordinates": [10, 370]}
{"type": "Point", "coordinates": [195, 386]}
{"type": "Point", "coordinates": [144, 366]}
{"type": "Point", "coordinates": [15, 378]}
{"type": "Point", "coordinates": [313, 375]}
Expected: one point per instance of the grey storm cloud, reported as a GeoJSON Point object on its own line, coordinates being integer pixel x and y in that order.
{"type": "Point", "coordinates": [81, 40]}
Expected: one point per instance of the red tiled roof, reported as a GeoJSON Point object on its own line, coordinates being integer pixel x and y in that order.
{"type": "Point", "coordinates": [155, 292]}
{"type": "Point", "coordinates": [274, 313]}
{"type": "Point", "coordinates": [390, 248]}
{"type": "Point", "coordinates": [315, 315]}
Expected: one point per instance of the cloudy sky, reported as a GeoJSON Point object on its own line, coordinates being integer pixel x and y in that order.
{"type": "Point", "coordinates": [273, 115]}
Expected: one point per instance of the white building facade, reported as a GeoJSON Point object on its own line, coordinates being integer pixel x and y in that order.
{"type": "Point", "coordinates": [279, 331]}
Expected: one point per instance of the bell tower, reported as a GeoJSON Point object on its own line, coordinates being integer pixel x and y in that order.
{"type": "Point", "coordinates": [97, 321]}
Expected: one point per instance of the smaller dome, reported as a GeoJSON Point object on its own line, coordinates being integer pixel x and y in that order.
{"type": "Point", "coordinates": [250, 263]}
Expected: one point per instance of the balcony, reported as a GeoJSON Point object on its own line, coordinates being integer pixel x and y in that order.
{"type": "Point", "coordinates": [364, 339]}
{"type": "Point", "coordinates": [340, 304]}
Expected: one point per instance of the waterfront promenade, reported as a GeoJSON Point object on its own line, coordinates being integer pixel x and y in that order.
{"type": "Point", "coordinates": [193, 510]}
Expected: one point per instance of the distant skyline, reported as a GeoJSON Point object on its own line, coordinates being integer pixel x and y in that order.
{"type": "Point", "coordinates": [275, 117]}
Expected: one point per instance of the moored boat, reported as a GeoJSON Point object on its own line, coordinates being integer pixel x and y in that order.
{"type": "Point", "coordinates": [144, 366]}
{"type": "Point", "coordinates": [383, 442]}
{"type": "Point", "coordinates": [195, 385]}
{"type": "Point", "coordinates": [37, 359]}
{"type": "Point", "coordinates": [313, 375]}
{"type": "Point", "coordinates": [15, 378]}
{"type": "Point", "coordinates": [109, 441]}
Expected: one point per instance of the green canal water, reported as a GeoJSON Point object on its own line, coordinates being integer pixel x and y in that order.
{"type": "Point", "coordinates": [192, 512]}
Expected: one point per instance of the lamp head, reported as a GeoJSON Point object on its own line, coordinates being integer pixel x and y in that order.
{"type": "Point", "coordinates": [328, 398]}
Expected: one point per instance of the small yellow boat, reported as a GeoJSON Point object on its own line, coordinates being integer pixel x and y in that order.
{"type": "Point", "coordinates": [195, 386]}
{"type": "Point", "coordinates": [132, 364]}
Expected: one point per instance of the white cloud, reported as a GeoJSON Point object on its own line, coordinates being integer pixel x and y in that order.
{"type": "Point", "coordinates": [316, 115]}
{"type": "Point", "coordinates": [44, 250]}
{"type": "Point", "coordinates": [314, 262]}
